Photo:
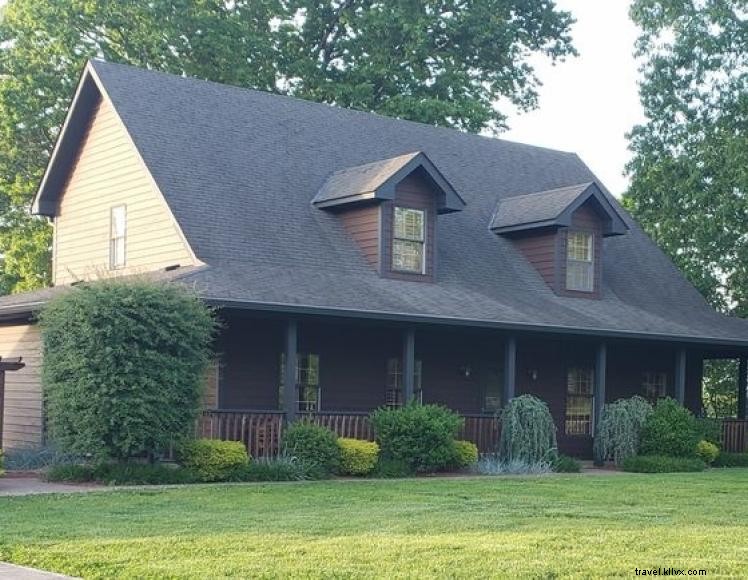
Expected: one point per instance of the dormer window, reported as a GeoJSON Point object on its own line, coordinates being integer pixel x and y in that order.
{"type": "Point", "coordinates": [117, 236]}
{"type": "Point", "coordinates": [409, 240]}
{"type": "Point", "coordinates": [580, 269]}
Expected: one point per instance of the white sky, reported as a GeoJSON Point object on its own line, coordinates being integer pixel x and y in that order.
{"type": "Point", "coordinates": [588, 104]}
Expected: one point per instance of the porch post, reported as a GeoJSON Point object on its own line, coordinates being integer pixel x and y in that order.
{"type": "Point", "coordinates": [510, 369]}
{"type": "Point", "coordinates": [601, 367]}
{"type": "Point", "coordinates": [409, 364]}
{"type": "Point", "coordinates": [680, 376]}
{"type": "Point", "coordinates": [742, 387]}
{"type": "Point", "coordinates": [289, 370]}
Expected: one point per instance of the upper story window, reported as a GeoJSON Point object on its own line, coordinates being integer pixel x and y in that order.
{"type": "Point", "coordinates": [580, 269]}
{"type": "Point", "coordinates": [409, 240]}
{"type": "Point", "coordinates": [117, 237]}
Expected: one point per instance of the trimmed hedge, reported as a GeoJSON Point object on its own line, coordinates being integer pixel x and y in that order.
{"type": "Point", "coordinates": [316, 446]}
{"type": "Point", "coordinates": [662, 464]}
{"type": "Point", "coordinates": [566, 464]}
{"type": "Point", "coordinates": [670, 430]}
{"type": "Point", "coordinates": [124, 366]}
{"type": "Point", "coordinates": [707, 451]}
{"type": "Point", "coordinates": [122, 474]}
{"type": "Point", "coordinates": [731, 460]}
{"type": "Point", "coordinates": [466, 454]}
{"type": "Point", "coordinates": [212, 459]}
{"type": "Point", "coordinates": [422, 436]}
{"type": "Point", "coordinates": [357, 457]}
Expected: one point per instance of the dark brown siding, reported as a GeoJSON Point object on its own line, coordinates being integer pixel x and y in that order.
{"type": "Point", "coordinates": [362, 224]}
{"type": "Point", "coordinates": [584, 219]}
{"type": "Point", "coordinates": [413, 191]}
{"type": "Point", "coordinates": [249, 351]}
{"type": "Point", "coordinates": [539, 248]}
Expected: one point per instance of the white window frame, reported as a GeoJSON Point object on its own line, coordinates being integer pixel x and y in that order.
{"type": "Point", "coordinates": [117, 239]}
{"type": "Point", "coordinates": [654, 385]}
{"type": "Point", "coordinates": [404, 237]}
{"type": "Point", "coordinates": [580, 265]}
{"type": "Point", "coordinates": [307, 381]}
{"type": "Point", "coordinates": [394, 393]}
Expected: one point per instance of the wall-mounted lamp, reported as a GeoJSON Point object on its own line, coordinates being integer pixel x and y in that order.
{"type": "Point", "coordinates": [533, 374]}
{"type": "Point", "coordinates": [466, 371]}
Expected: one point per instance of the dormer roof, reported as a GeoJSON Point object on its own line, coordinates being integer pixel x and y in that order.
{"type": "Point", "coordinates": [554, 208]}
{"type": "Point", "coordinates": [377, 181]}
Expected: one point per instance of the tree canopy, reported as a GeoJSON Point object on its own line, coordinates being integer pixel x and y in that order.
{"type": "Point", "coordinates": [443, 62]}
{"type": "Point", "coordinates": [689, 173]}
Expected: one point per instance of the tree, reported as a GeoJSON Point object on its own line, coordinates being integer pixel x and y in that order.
{"type": "Point", "coordinates": [440, 62]}
{"type": "Point", "coordinates": [689, 173]}
{"type": "Point", "coordinates": [124, 366]}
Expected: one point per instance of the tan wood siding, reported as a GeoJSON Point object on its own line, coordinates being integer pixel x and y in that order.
{"type": "Point", "coordinates": [540, 250]}
{"type": "Point", "coordinates": [413, 191]}
{"type": "Point", "coordinates": [22, 408]}
{"type": "Point", "coordinates": [362, 224]}
{"type": "Point", "coordinates": [210, 394]}
{"type": "Point", "coordinates": [109, 172]}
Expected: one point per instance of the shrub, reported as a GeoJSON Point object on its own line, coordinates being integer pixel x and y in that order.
{"type": "Point", "coordinates": [669, 430]}
{"type": "Point", "coordinates": [466, 454]}
{"type": "Point", "coordinates": [710, 430]}
{"type": "Point", "coordinates": [618, 433]}
{"type": "Point", "coordinates": [280, 468]}
{"type": "Point", "coordinates": [213, 460]}
{"type": "Point", "coordinates": [566, 464]}
{"type": "Point", "coordinates": [35, 458]}
{"type": "Point", "coordinates": [731, 460]}
{"type": "Point", "coordinates": [662, 464]}
{"type": "Point", "coordinates": [391, 469]}
{"type": "Point", "coordinates": [357, 457]}
{"type": "Point", "coordinates": [123, 366]}
{"type": "Point", "coordinates": [315, 446]}
{"type": "Point", "coordinates": [528, 432]}
{"type": "Point", "coordinates": [70, 473]}
{"type": "Point", "coordinates": [494, 464]}
{"type": "Point", "coordinates": [422, 436]}
{"type": "Point", "coordinates": [707, 451]}
{"type": "Point", "coordinates": [122, 474]}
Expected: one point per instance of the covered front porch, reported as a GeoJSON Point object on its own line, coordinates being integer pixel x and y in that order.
{"type": "Point", "coordinates": [272, 369]}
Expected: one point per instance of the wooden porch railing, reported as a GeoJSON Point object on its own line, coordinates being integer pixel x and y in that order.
{"type": "Point", "coordinates": [262, 431]}
{"type": "Point", "coordinates": [735, 435]}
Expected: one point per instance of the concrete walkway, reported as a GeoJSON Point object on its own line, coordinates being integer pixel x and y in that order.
{"type": "Point", "coordinates": [12, 486]}
{"type": "Point", "coordinates": [12, 572]}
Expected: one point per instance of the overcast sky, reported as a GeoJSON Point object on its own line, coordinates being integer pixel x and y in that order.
{"type": "Point", "coordinates": [588, 104]}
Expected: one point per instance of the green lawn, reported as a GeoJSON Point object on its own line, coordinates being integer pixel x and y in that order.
{"type": "Point", "coordinates": [553, 526]}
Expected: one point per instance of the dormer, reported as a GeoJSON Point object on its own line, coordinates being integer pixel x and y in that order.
{"type": "Point", "coordinates": [390, 209]}
{"type": "Point", "coordinates": [560, 232]}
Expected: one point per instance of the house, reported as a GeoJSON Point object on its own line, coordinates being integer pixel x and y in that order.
{"type": "Point", "coordinates": [361, 261]}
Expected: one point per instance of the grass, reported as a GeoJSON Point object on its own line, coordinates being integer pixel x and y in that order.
{"type": "Point", "coordinates": [543, 527]}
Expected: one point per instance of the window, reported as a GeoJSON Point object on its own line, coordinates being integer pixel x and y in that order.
{"type": "Point", "coordinates": [307, 382]}
{"type": "Point", "coordinates": [579, 262]}
{"type": "Point", "coordinates": [117, 234]}
{"type": "Point", "coordinates": [654, 386]}
{"type": "Point", "coordinates": [394, 392]}
{"type": "Point", "coordinates": [579, 401]}
{"type": "Point", "coordinates": [408, 243]}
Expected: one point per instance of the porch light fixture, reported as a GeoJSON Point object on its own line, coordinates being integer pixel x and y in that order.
{"type": "Point", "coordinates": [466, 371]}
{"type": "Point", "coordinates": [533, 374]}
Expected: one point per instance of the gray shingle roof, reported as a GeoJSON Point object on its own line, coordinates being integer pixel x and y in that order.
{"type": "Point", "coordinates": [240, 168]}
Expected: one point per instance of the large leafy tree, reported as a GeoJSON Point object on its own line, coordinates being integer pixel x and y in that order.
{"type": "Point", "coordinates": [444, 62]}
{"type": "Point", "coordinates": [689, 173]}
